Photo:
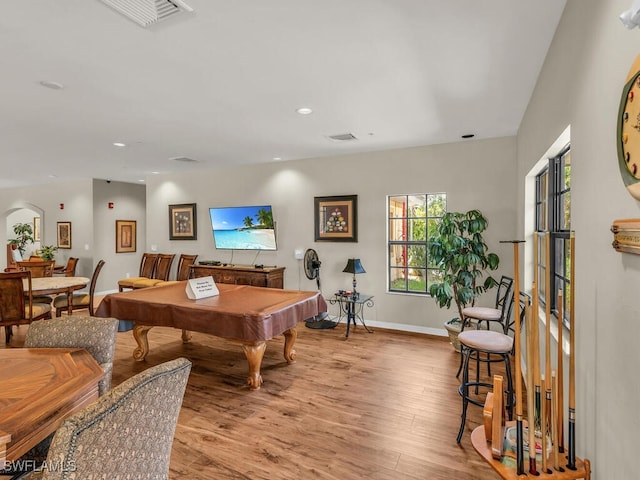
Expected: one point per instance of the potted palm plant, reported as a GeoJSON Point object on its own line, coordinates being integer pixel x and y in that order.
{"type": "Point", "coordinates": [48, 252]}
{"type": "Point", "coordinates": [460, 253]}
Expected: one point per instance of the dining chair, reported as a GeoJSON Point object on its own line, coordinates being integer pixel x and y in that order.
{"type": "Point", "coordinates": [69, 269]}
{"type": "Point", "coordinates": [126, 433]}
{"type": "Point", "coordinates": [183, 271]}
{"type": "Point", "coordinates": [79, 301]}
{"type": "Point", "coordinates": [16, 302]}
{"type": "Point", "coordinates": [160, 274]}
{"type": "Point", "coordinates": [147, 267]}
{"type": "Point", "coordinates": [38, 268]}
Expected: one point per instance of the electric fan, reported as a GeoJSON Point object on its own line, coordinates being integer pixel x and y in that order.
{"type": "Point", "coordinates": [312, 266]}
{"type": "Point", "coordinates": [312, 271]}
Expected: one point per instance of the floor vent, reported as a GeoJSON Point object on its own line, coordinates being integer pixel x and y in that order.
{"type": "Point", "coordinates": [148, 12]}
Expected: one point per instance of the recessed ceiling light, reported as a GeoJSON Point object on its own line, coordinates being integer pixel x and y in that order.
{"type": "Point", "coordinates": [468, 135]}
{"type": "Point", "coordinates": [277, 158]}
{"type": "Point", "coordinates": [52, 176]}
{"type": "Point", "coordinates": [155, 173]}
{"type": "Point", "coordinates": [141, 180]}
{"type": "Point", "coordinates": [52, 85]}
{"type": "Point", "coordinates": [304, 111]}
{"type": "Point", "coordinates": [119, 144]}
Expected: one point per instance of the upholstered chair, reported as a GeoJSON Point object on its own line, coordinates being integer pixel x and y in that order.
{"type": "Point", "coordinates": [161, 273]}
{"type": "Point", "coordinates": [147, 268]}
{"type": "Point", "coordinates": [127, 433]}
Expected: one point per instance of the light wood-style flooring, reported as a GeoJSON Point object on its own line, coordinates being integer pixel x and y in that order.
{"type": "Point", "coordinates": [380, 406]}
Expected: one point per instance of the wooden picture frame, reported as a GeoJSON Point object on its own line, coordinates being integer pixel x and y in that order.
{"type": "Point", "coordinates": [125, 236]}
{"type": "Point", "coordinates": [63, 234]}
{"type": "Point", "coordinates": [36, 229]}
{"type": "Point", "coordinates": [183, 222]}
{"type": "Point", "coordinates": [336, 218]}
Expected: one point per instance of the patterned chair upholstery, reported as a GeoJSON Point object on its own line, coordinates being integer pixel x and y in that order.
{"type": "Point", "coordinates": [96, 335]}
{"type": "Point", "coordinates": [127, 433]}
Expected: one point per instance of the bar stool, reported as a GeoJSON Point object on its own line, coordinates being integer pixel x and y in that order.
{"type": "Point", "coordinates": [474, 343]}
{"type": "Point", "coordinates": [500, 313]}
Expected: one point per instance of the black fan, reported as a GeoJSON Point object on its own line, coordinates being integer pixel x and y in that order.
{"type": "Point", "coordinates": [312, 266]}
{"type": "Point", "coordinates": [312, 270]}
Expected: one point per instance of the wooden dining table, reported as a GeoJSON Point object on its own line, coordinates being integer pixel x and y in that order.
{"type": "Point", "coordinates": [40, 387]}
{"type": "Point", "coordinates": [58, 285]}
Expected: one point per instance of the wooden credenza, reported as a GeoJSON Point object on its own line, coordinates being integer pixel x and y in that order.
{"type": "Point", "coordinates": [271, 277]}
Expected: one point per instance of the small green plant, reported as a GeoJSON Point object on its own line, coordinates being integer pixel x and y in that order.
{"type": "Point", "coordinates": [48, 252]}
{"type": "Point", "coordinates": [24, 235]}
{"type": "Point", "coordinates": [460, 253]}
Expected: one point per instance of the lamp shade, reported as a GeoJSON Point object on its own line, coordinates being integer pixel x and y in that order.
{"type": "Point", "coordinates": [354, 266]}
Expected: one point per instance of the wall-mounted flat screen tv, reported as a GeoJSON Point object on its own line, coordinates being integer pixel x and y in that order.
{"type": "Point", "coordinates": [243, 228]}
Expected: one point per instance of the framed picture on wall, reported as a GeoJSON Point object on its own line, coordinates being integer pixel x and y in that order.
{"type": "Point", "coordinates": [64, 234]}
{"type": "Point", "coordinates": [183, 222]}
{"type": "Point", "coordinates": [125, 236]}
{"type": "Point", "coordinates": [336, 218]}
{"type": "Point", "coordinates": [36, 229]}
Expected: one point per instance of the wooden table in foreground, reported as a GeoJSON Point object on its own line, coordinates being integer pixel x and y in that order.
{"type": "Point", "coordinates": [508, 471]}
{"type": "Point", "coordinates": [39, 388]}
{"type": "Point", "coordinates": [247, 315]}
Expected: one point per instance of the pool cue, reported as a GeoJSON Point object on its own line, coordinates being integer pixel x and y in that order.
{"type": "Point", "coordinates": [546, 419]}
{"type": "Point", "coordinates": [571, 465]}
{"type": "Point", "coordinates": [535, 355]}
{"type": "Point", "coordinates": [543, 414]}
{"type": "Point", "coordinates": [519, 433]}
{"type": "Point", "coordinates": [554, 419]}
{"type": "Point", "coordinates": [531, 413]}
{"type": "Point", "coordinates": [560, 367]}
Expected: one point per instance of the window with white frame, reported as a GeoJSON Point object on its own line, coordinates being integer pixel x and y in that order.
{"type": "Point", "coordinates": [412, 219]}
{"type": "Point", "coordinates": [553, 218]}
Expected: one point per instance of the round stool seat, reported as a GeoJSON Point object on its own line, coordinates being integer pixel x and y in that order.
{"type": "Point", "coordinates": [483, 313]}
{"type": "Point", "coordinates": [486, 341]}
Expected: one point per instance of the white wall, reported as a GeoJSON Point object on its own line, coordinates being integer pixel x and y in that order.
{"type": "Point", "coordinates": [580, 86]}
{"type": "Point", "coordinates": [474, 174]}
{"type": "Point", "coordinates": [129, 202]}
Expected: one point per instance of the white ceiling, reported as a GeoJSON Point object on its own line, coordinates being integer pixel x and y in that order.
{"type": "Point", "coordinates": [221, 85]}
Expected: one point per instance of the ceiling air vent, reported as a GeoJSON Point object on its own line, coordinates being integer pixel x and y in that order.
{"type": "Point", "coordinates": [183, 159]}
{"type": "Point", "coordinates": [148, 12]}
{"type": "Point", "coordinates": [343, 137]}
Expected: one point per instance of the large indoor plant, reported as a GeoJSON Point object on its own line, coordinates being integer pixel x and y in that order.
{"type": "Point", "coordinates": [24, 235]}
{"type": "Point", "coordinates": [460, 253]}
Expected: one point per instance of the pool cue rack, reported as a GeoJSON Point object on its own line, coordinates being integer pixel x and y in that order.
{"type": "Point", "coordinates": [545, 408]}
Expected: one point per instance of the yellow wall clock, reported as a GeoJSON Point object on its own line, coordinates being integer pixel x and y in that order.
{"type": "Point", "coordinates": [629, 131]}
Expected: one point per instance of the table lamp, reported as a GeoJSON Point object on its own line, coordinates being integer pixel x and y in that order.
{"type": "Point", "coordinates": [354, 266]}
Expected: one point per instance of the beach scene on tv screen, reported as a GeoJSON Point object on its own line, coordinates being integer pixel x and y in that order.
{"type": "Point", "coordinates": [243, 228]}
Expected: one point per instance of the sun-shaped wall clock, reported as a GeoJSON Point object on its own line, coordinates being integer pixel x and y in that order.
{"type": "Point", "coordinates": [629, 131]}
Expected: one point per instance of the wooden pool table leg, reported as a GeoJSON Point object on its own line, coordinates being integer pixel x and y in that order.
{"type": "Point", "coordinates": [140, 334]}
{"type": "Point", "coordinates": [289, 341]}
{"type": "Point", "coordinates": [254, 353]}
{"type": "Point", "coordinates": [186, 336]}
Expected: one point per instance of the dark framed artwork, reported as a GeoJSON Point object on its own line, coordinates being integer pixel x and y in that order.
{"type": "Point", "coordinates": [125, 236]}
{"type": "Point", "coordinates": [64, 234]}
{"type": "Point", "coordinates": [336, 218]}
{"type": "Point", "coordinates": [183, 222]}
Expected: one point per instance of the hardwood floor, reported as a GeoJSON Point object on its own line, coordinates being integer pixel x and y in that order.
{"type": "Point", "coordinates": [381, 406]}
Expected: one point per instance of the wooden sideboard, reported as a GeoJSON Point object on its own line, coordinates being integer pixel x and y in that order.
{"type": "Point", "coordinates": [271, 277]}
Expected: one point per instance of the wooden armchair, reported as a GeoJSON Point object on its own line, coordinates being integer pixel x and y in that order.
{"type": "Point", "coordinates": [147, 268]}
{"type": "Point", "coordinates": [140, 416]}
{"type": "Point", "coordinates": [69, 269]}
{"type": "Point", "coordinates": [38, 268]}
{"type": "Point", "coordinates": [16, 302]}
{"type": "Point", "coordinates": [79, 301]}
